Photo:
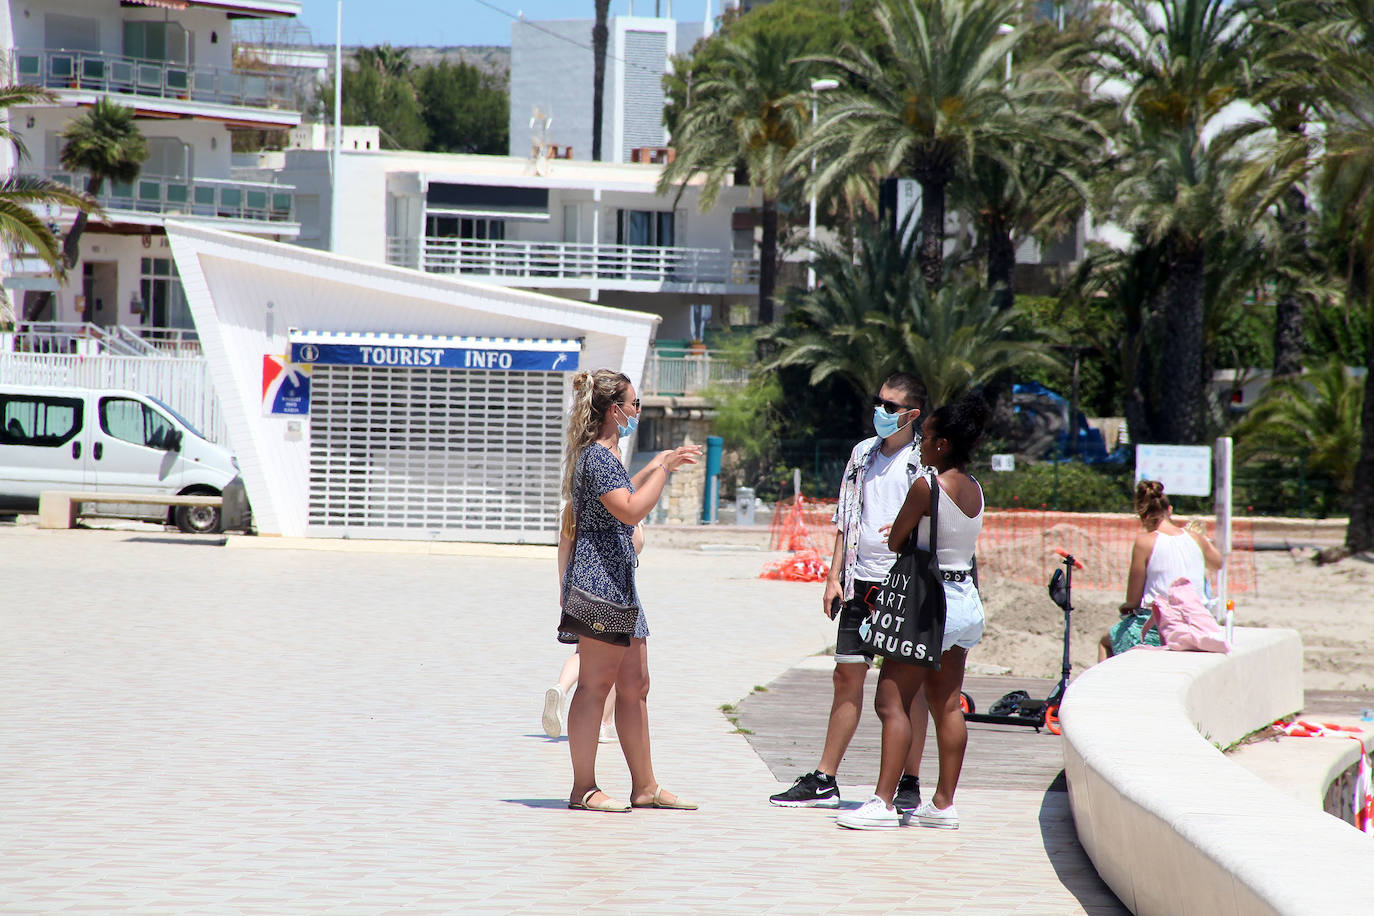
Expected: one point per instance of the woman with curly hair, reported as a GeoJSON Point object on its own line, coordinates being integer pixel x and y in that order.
{"type": "Point", "coordinates": [602, 506]}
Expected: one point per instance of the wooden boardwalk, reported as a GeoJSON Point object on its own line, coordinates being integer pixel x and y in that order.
{"type": "Point", "coordinates": [788, 722]}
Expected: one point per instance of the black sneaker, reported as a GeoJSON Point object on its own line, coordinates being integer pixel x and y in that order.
{"type": "Point", "coordinates": [908, 797]}
{"type": "Point", "coordinates": [813, 790]}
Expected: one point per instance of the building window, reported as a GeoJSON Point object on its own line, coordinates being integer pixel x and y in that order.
{"type": "Point", "coordinates": [165, 41]}
{"type": "Point", "coordinates": [465, 227]}
{"type": "Point", "coordinates": [164, 303]}
{"type": "Point", "coordinates": [646, 228]}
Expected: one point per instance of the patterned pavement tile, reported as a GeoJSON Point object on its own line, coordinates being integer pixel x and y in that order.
{"type": "Point", "coordinates": [185, 729]}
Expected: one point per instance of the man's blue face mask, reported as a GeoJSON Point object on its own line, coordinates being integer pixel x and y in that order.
{"type": "Point", "coordinates": [886, 424]}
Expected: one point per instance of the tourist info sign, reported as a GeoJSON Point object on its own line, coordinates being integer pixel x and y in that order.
{"type": "Point", "coordinates": [1185, 470]}
{"type": "Point", "coordinates": [435, 352]}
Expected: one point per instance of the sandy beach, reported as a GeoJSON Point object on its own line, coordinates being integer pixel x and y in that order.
{"type": "Point", "coordinates": [1331, 606]}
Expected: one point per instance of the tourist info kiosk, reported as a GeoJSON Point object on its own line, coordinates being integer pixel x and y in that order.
{"type": "Point", "coordinates": [434, 437]}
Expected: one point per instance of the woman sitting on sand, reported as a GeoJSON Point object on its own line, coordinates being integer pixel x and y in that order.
{"type": "Point", "coordinates": [1161, 555]}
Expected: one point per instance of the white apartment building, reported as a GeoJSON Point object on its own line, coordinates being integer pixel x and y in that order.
{"type": "Point", "coordinates": [551, 79]}
{"type": "Point", "coordinates": [588, 231]}
{"type": "Point", "coordinates": [172, 62]}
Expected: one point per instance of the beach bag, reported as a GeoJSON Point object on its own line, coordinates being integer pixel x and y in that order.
{"type": "Point", "coordinates": [1184, 623]}
{"type": "Point", "coordinates": [907, 623]}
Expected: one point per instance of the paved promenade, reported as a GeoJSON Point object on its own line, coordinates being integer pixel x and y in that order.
{"type": "Point", "coordinates": [186, 728]}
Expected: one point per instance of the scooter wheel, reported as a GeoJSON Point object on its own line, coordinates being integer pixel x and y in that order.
{"type": "Point", "coordinates": [966, 703]}
{"type": "Point", "coordinates": [1052, 720]}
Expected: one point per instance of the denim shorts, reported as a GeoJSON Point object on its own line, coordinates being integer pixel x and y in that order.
{"type": "Point", "coordinates": [849, 645]}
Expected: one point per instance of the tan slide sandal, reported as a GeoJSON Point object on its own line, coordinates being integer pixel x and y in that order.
{"type": "Point", "coordinates": [608, 804]}
{"type": "Point", "coordinates": [678, 804]}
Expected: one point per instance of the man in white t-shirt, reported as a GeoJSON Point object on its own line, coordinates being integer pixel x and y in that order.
{"type": "Point", "coordinates": [876, 479]}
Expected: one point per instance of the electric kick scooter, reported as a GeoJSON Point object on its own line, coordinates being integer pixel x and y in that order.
{"type": "Point", "coordinates": [1017, 707]}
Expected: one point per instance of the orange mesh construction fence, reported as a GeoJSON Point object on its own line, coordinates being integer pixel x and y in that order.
{"type": "Point", "coordinates": [1019, 544]}
{"type": "Point", "coordinates": [802, 526]}
{"type": "Point", "coordinates": [1016, 544]}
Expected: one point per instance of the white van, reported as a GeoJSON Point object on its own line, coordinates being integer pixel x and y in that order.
{"type": "Point", "coordinates": [109, 441]}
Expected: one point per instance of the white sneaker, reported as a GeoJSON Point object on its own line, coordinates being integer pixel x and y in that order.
{"type": "Point", "coordinates": [873, 814]}
{"type": "Point", "coordinates": [608, 735]}
{"type": "Point", "coordinates": [930, 816]}
{"type": "Point", "coordinates": [553, 711]}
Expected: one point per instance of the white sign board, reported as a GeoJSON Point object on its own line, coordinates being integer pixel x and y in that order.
{"type": "Point", "coordinates": [1185, 470]}
{"type": "Point", "coordinates": [908, 199]}
{"type": "Point", "coordinates": [1004, 462]}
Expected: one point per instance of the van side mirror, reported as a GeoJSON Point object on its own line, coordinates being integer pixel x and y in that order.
{"type": "Point", "coordinates": [172, 441]}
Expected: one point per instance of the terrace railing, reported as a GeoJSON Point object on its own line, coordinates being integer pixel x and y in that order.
{"type": "Point", "coordinates": [97, 71]}
{"type": "Point", "coordinates": [545, 263]}
{"type": "Point", "coordinates": [208, 197]}
{"type": "Point", "coordinates": [691, 373]}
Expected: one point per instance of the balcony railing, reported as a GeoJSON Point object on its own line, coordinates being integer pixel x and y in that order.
{"type": "Point", "coordinates": [99, 72]}
{"type": "Point", "coordinates": [545, 263]}
{"type": "Point", "coordinates": [85, 338]}
{"type": "Point", "coordinates": [691, 373]}
{"type": "Point", "coordinates": [209, 197]}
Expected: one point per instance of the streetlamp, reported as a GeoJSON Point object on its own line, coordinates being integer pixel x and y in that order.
{"type": "Point", "coordinates": [817, 87]}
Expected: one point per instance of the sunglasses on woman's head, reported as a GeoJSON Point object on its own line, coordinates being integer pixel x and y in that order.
{"type": "Point", "coordinates": [889, 406]}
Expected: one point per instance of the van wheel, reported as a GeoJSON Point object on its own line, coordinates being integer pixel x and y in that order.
{"type": "Point", "coordinates": [198, 519]}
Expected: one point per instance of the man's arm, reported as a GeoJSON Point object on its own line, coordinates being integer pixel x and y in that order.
{"type": "Point", "coordinates": [833, 582]}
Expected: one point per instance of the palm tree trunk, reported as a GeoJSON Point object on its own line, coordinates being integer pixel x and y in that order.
{"type": "Point", "coordinates": [1181, 388]}
{"type": "Point", "coordinates": [1288, 317]}
{"type": "Point", "coordinates": [768, 260]}
{"type": "Point", "coordinates": [599, 38]}
{"type": "Point", "coordinates": [932, 251]}
{"type": "Point", "coordinates": [35, 303]}
{"type": "Point", "coordinates": [1359, 533]}
{"type": "Point", "coordinates": [1001, 265]}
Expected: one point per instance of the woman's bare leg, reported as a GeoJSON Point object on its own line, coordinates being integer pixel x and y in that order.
{"type": "Point", "coordinates": [608, 711]}
{"type": "Point", "coordinates": [951, 734]}
{"type": "Point", "coordinates": [567, 678]}
{"type": "Point", "coordinates": [1104, 647]}
{"type": "Point", "coordinates": [600, 662]}
{"type": "Point", "coordinates": [897, 687]}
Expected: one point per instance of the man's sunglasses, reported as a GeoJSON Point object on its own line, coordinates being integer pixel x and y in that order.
{"type": "Point", "coordinates": [889, 406]}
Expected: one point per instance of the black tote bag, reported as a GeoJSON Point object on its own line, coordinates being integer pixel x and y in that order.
{"type": "Point", "coordinates": [907, 623]}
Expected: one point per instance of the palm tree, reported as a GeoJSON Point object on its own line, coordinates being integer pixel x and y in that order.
{"type": "Point", "coordinates": [828, 330]}
{"type": "Point", "coordinates": [599, 39]}
{"type": "Point", "coordinates": [1184, 62]}
{"type": "Point", "coordinates": [107, 144]}
{"type": "Point", "coordinates": [1275, 184]}
{"type": "Point", "coordinates": [1316, 415]}
{"type": "Point", "coordinates": [922, 104]}
{"type": "Point", "coordinates": [872, 313]}
{"type": "Point", "coordinates": [1346, 83]}
{"type": "Point", "coordinates": [389, 62]}
{"type": "Point", "coordinates": [21, 230]}
{"type": "Point", "coordinates": [749, 109]}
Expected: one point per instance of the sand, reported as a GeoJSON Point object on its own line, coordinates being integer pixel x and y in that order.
{"type": "Point", "coordinates": [1332, 607]}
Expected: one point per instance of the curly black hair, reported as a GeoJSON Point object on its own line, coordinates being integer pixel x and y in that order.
{"type": "Point", "coordinates": [961, 424]}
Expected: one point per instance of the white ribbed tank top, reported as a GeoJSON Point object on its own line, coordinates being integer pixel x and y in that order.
{"type": "Point", "coordinates": [1174, 556]}
{"type": "Point", "coordinates": [958, 533]}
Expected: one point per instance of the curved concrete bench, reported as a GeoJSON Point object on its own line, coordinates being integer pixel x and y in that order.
{"type": "Point", "coordinates": [1170, 823]}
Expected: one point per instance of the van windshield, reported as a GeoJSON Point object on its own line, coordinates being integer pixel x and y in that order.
{"type": "Point", "coordinates": [180, 419]}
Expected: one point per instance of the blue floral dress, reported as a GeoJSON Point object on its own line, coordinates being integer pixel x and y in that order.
{"type": "Point", "coordinates": [603, 559]}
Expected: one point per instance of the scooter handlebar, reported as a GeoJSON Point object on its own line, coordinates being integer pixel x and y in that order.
{"type": "Point", "coordinates": [1077, 564]}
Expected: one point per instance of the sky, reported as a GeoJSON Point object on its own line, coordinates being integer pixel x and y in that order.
{"type": "Point", "coordinates": [456, 22]}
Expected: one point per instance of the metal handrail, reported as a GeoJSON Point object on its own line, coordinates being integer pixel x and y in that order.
{"type": "Point", "coordinates": [690, 373]}
{"type": "Point", "coordinates": [210, 197]}
{"type": "Point", "coordinates": [61, 68]}
{"type": "Point", "coordinates": [571, 260]}
{"type": "Point", "coordinates": [117, 340]}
